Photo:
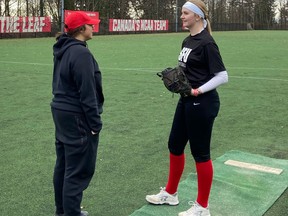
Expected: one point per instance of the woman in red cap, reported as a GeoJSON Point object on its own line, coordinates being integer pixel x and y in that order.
{"type": "Point", "coordinates": [76, 109]}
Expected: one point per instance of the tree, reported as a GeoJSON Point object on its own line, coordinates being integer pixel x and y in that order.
{"type": "Point", "coordinates": [6, 7]}
{"type": "Point", "coordinates": [258, 12]}
{"type": "Point", "coordinates": [283, 14]}
{"type": "Point", "coordinates": [52, 7]}
{"type": "Point", "coordinates": [264, 13]}
{"type": "Point", "coordinates": [0, 7]}
{"type": "Point", "coordinates": [41, 7]}
{"type": "Point", "coordinates": [220, 12]}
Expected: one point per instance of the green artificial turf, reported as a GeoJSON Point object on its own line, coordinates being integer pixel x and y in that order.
{"type": "Point", "coordinates": [138, 111]}
{"type": "Point", "coordinates": [235, 191]}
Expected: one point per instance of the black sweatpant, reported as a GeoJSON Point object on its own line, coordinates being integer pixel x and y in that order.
{"type": "Point", "coordinates": [193, 121]}
{"type": "Point", "coordinates": [76, 150]}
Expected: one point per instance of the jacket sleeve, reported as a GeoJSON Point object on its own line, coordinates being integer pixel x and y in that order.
{"type": "Point", "coordinates": [84, 75]}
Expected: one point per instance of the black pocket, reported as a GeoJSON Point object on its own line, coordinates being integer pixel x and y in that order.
{"type": "Point", "coordinates": [82, 128]}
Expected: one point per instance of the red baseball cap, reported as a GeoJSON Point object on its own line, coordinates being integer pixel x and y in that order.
{"type": "Point", "coordinates": [79, 18]}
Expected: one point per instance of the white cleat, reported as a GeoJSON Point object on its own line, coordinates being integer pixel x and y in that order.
{"type": "Point", "coordinates": [163, 198]}
{"type": "Point", "coordinates": [196, 210]}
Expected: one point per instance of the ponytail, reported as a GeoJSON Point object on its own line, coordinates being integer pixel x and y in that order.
{"type": "Point", "coordinates": [203, 7]}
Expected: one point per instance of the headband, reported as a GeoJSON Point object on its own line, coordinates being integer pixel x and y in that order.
{"type": "Point", "coordinates": [195, 9]}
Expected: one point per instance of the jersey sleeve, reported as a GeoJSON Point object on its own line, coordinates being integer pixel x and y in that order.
{"type": "Point", "coordinates": [213, 57]}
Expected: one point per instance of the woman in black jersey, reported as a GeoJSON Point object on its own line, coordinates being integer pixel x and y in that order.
{"type": "Point", "coordinates": [194, 116]}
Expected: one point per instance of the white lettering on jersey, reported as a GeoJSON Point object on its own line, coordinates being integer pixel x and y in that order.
{"type": "Point", "coordinates": [184, 54]}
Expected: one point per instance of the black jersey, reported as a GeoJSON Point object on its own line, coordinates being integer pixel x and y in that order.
{"type": "Point", "coordinates": [200, 58]}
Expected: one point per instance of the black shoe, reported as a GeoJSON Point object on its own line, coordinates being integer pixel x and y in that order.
{"type": "Point", "coordinates": [83, 213]}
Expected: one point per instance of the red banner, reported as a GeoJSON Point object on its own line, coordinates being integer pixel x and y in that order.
{"type": "Point", "coordinates": [118, 25]}
{"type": "Point", "coordinates": [25, 24]}
{"type": "Point", "coordinates": [93, 15]}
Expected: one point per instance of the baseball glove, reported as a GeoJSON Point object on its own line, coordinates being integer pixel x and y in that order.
{"type": "Point", "coordinates": [175, 80]}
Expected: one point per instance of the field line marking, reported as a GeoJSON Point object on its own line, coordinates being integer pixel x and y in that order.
{"type": "Point", "coordinates": [244, 68]}
{"type": "Point", "coordinates": [252, 166]}
{"type": "Point", "coordinates": [25, 63]}
{"type": "Point", "coordinates": [158, 69]}
{"type": "Point", "coordinates": [258, 78]}
{"type": "Point", "coordinates": [252, 68]}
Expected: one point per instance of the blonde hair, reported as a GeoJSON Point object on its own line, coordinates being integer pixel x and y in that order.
{"type": "Point", "coordinates": [203, 7]}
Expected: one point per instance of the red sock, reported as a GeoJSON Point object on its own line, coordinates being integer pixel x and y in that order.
{"type": "Point", "coordinates": [205, 178]}
{"type": "Point", "coordinates": [176, 168]}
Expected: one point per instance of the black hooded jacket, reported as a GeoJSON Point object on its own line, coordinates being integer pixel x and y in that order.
{"type": "Point", "coordinates": [77, 85]}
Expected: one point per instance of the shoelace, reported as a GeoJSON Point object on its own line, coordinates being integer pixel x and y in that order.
{"type": "Point", "coordinates": [162, 189]}
{"type": "Point", "coordinates": [194, 207]}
